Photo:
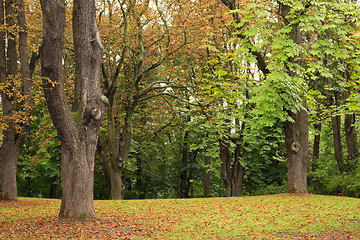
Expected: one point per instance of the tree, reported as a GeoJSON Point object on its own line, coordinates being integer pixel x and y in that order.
{"type": "Point", "coordinates": [129, 72]}
{"type": "Point", "coordinates": [78, 125]}
{"type": "Point", "coordinates": [296, 127]}
{"type": "Point", "coordinates": [15, 92]}
{"type": "Point", "coordinates": [296, 131]}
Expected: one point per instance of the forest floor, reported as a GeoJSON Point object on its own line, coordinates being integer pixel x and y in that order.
{"type": "Point", "coordinates": [282, 216]}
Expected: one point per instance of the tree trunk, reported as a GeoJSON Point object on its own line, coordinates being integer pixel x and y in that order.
{"type": "Point", "coordinates": [79, 129]}
{"type": "Point", "coordinates": [104, 162]}
{"type": "Point", "coordinates": [296, 145]}
{"type": "Point", "coordinates": [118, 162]}
{"type": "Point", "coordinates": [351, 137]}
{"type": "Point", "coordinates": [207, 173]}
{"type": "Point", "coordinates": [14, 135]}
{"type": "Point", "coordinates": [336, 128]}
{"type": "Point", "coordinates": [139, 180]}
{"type": "Point", "coordinates": [297, 132]}
{"type": "Point", "coordinates": [225, 157]}
{"type": "Point", "coordinates": [184, 189]}
{"type": "Point", "coordinates": [117, 184]}
{"type": "Point", "coordinates": [316, 146]}
{"type": "Point", "coordinates": [77, 180]}
{"type": "Point", "coordinates": [238, 174]}
{"type": "Point", "coordinates": [351, 141]}
{"type": "Point", "coordinates": [52, 190]}
{"type": "Point", "coordinates": [9, 153]}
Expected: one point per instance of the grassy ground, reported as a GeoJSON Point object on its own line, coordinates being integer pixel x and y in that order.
{"type": "Point", "coordinates": [264, 217]}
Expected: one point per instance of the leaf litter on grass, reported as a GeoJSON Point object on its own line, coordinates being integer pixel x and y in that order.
{"type": "Point", "coordinates": [283, 216]}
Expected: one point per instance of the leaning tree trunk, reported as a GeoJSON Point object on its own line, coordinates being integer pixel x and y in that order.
{"type": "Point", "coordinates": [78, 129]}
{"type": "Point", "coordinates": [15, 132]}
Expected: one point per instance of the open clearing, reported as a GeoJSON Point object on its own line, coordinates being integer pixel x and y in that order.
{"type": "Point", "coordinates": [282, 216]}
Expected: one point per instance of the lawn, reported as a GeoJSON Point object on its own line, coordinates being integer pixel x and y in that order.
{"type": "Point", "coordinates": [282, 216]}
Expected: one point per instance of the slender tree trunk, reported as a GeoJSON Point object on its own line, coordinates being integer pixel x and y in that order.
{"type": "Point", "coordinates": [52, 188]}
{"type": "Point", "coordinates": [207, 173]}
{"type": "Point", "coordinates": [79, 129]}
{"type": "Point", "coordinates": [139, 179]}
{"type": "Point", "coordinates": [336, 128]}
{"type": "Point", "coordinates": [184, 189]}
{"type": "Point", "coordinates": [316, 147]}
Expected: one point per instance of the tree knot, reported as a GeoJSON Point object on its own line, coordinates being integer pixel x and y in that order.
{"type": "Point", "coordinates": [295, 147]}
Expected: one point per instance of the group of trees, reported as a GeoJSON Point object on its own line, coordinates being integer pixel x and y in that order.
{"type": "Point", "coordinates": [165, 98]}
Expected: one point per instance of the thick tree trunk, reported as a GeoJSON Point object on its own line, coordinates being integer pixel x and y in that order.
{"type": "Point", "coordinates": [77, 179]}
{"type": "Point", "coordinates": [296, 145]}
{"type": "Point", "coordinates": [78, 130]}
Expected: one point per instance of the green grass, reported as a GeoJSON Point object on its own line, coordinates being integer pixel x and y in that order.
{"type": "Point", "coordinates": [264, 217]}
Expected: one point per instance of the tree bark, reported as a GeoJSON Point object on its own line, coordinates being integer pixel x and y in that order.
{"type": "Point", "coordinates": [296, 145]}
{"type": "Point", "coordinates": [78, 129]}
